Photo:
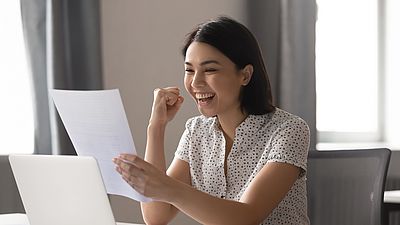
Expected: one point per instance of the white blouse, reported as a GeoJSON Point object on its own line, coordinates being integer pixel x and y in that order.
{"type": "Point", "coordinates": [274, 137]}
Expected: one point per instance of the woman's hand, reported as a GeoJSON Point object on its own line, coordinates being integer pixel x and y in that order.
{"type": "Point", "coordinates": [144, 177]}
{"type": "Point", "coordinates": [166, 103]}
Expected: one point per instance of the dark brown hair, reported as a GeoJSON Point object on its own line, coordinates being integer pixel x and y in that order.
{"type": "Point", "coordinates": [236, 42]}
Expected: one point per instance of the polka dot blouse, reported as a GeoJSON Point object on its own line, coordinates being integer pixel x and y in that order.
{"type": "Point", "coordinates": [274, 137]}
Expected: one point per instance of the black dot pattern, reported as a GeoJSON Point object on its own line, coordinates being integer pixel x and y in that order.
{"type": "Point", "coordinates": [275, 137]}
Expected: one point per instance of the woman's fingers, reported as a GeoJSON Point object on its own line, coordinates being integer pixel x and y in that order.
{"type": "Point", "coordinates": [126, 165]}
{"type": "Point", "coordinates": [141, 175]}
{"type": "Point", "coordinates": [169, 95]}
{"type": "Point", "coordinates": [171, 99]}
{"type": "Point", "coordinates": [171, 90]}
{"type": "Point", "coordinates": [129, 171]}
{"type": "Point", "coordinates": [133, 159]}
{"type": "Point", "coordinates": [167, 102]}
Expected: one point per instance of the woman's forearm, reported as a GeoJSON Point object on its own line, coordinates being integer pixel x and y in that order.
{"type": "Point", "coordinates": [155, 146]}
{"type": "Point", "coordinates": [256, 203]}
{"type": "Point", "coordinates": [156, 212]}
{"type": "Point", "coordinates": [208, 209]}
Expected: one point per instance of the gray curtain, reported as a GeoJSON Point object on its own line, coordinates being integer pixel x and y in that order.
{"type": "Point", "coordinates": [34, 27]}
{"type": "Point", "coordinates": [63, 43]}
{"type": "Point", "coordinates": [63, 47]}
{"type": "Point", "coordinates": [285, 30]}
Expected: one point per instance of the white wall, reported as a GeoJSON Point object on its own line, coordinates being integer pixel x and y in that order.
{"type": "Point", "coordinates": [141, 42]}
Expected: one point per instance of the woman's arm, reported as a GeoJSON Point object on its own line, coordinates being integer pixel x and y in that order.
{"type": "Point", "coordinates": [161, 212]}
{"type": "Point", "coordinates": [166, 103]}
{"type": "Point", "coordinates": [258, 201]}
{"type": "Point", "coordinates": [264, 193]}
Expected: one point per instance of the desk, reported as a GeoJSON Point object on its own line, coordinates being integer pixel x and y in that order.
{"type": "Point", "coordinates": [21, 219]}
{"type": "Point", "coordinates": [391, 200]}
{"type": "Point", "coordinates": [13, 219]}
{"type": "Point", "coordinates": [392, 197]}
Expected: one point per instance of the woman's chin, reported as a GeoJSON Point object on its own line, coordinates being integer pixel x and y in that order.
{"type": "Point", "coordinates": [206, 113]}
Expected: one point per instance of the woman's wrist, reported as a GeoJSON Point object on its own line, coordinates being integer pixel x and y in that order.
{"type": "Point", "coordinates": [174, 191]}
{"type": "Point", "coordinates": [156, 126]}
{"type": "Point", "coordinates": [155, 138]}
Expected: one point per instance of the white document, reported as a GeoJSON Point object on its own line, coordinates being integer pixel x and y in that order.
{"type": "Point", "coordinates": [97, 126]}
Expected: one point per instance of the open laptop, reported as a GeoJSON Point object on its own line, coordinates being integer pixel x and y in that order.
{"type": "Point", "coordinates": [62, 190]}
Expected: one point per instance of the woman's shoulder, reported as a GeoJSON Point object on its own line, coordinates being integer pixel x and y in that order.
{"type": "Point", "coordinates": [283, 115]}
{"type": "Point", "coordinates": [287, 120]}
{"type": "Point", "coordinates": [280, 117]}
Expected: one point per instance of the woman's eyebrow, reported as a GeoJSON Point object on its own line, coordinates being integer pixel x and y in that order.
{"type": "Point", "coordinates": [204, 63]}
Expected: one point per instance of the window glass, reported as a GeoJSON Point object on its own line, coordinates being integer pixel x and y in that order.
{"type": "Point", "coordinates": [16, 114]}
{"type": "Point", "coordinates": [347, 66]}
{"type": "Point", "coordinates": [392, 84]}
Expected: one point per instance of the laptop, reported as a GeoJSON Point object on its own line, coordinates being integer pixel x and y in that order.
{"type": "Point", "coordinates": [62, 190]}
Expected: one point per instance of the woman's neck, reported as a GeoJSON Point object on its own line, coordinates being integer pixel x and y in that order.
{"type": "Point", "coordinates": [230, 121]}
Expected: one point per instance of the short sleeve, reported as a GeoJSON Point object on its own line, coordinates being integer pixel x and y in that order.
{"type": "Point", "coordinates": [291, 143]}
{"type": "Point", "coordinates": [182, 151]}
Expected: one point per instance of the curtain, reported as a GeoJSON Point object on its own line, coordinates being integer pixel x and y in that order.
{"type": "Point", "coordinates": [63, 44]}
{"type": "Point", "coordinates": [34, 28]}
{"type": "Point", "coordinates": [285, 30]}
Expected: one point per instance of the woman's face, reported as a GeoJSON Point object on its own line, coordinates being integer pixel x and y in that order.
{"type": "Point", "coordinates": [212, 80]}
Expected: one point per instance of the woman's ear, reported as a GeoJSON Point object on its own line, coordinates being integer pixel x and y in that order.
{"type": "Point", "coordinates": [247, 72]}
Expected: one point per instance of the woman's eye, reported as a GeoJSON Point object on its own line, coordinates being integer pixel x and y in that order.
{"type": "Point", "coordinates": [210, 70]}
{"type": "Point", "coordinates": [189, 71]}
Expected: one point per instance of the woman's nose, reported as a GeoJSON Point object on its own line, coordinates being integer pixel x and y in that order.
{"type": "Point", "coordinates": [198, 80]}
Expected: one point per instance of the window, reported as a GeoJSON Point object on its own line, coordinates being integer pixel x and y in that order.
{"type": "Point", "coordinates": [16, 114]}
{"type": "Point", "coordinates": [392, 69]}
{"type": "Point", "coordinates": [356, 71]}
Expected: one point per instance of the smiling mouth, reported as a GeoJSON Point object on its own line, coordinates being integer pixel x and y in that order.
{"type": "Point", "coordinates": [204, 97]}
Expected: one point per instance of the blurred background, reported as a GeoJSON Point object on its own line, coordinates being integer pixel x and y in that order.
{"type": "Point", "coordinates": [331, 62]}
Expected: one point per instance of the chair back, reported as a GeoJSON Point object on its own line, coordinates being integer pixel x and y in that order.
{"type": "Point", "coordinates": [10, 200]}
{"type": "Point", "coordinates": [345, 187]}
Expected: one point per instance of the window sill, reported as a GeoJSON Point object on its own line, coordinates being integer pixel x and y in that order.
{"type": "Point", "coordinates": [356, 145]}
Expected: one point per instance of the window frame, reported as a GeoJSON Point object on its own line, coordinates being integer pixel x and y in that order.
{"type": "Point", "coordinates": [330, 138]}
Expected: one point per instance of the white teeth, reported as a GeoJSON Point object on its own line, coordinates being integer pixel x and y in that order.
{"type": "Point", "coordinates": [204, 95]}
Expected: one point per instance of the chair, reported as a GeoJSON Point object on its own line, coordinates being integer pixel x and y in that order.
{"type": "Point", "coordinates": [10, 200]}
{"type": "Point", "coordinates": [393, 183]}
{"type": "Point", "coordinates": [345, 187]}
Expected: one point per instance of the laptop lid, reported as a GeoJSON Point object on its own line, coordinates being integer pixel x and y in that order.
{"type": "Point", "coordinates": [62, 190]}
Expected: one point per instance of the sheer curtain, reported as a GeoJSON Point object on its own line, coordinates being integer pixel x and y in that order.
{"type": "Point", "coordinates": [285, 30]}
{"type": "Point", "coordinates": [63, 45]}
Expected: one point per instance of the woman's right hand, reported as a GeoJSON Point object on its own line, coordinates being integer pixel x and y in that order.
{"type": "Point", "coordinates": [166, 103]}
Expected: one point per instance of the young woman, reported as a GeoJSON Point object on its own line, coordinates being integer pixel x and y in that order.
{"type": "Point", "coordinates": [242, 161]}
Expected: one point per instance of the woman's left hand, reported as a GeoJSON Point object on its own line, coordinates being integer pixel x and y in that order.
{"type": "Point", "coordinates": [144, 177]}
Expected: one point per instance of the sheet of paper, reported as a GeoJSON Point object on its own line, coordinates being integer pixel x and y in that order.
{"type": "Point", "coordinates": [97, 126]}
